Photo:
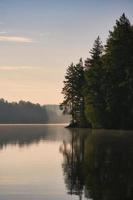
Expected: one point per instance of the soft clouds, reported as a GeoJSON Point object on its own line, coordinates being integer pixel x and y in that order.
{"type": "Point", "coordinates": [3, 32]}
{"type": "Point", "coordinates": [15, 39]}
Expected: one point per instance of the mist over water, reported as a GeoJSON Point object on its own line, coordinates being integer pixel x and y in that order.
{"type": "Point", "coordinates": [51, 162]}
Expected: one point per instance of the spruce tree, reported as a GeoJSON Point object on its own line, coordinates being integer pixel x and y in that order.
{"type": "Point", "coordinates": [94, 78]}
{"type": "Point", "coordinates": [73, 93]}
{"type": "Point", "coordinates": [118, 60]}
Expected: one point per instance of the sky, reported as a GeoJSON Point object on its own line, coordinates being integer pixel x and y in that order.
{"type": "Point", "coordinates": [40, 38]}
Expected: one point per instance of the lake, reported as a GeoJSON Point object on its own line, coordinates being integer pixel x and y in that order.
{"type": "Point", "coordinates": [50, 162]}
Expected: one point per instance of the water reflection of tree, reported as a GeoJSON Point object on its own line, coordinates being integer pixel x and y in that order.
{"type": "Point", "coordinates": [99, 165]}
{"type": "Point", "coordinates": [73, 164]}
{"type": "Point", "coordinates": [109, 166]}
{"type": "Point", "coordinates": [25, 135]}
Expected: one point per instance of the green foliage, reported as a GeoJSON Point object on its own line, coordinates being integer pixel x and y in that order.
{"type": "Point", "coordinates": [73, 93]}
{"type": "Point", "coordinates": [94, 79]}
{"type": "Point", "coordinates": [107, 87]}
{"type": "Point", "coordinates": [118, 60]}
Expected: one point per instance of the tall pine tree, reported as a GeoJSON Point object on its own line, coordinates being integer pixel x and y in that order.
{"type": "Point", "coordinates": [118, 60]}
{"type": "Point", "coordinates": [94, 78]}
{"type": "Point", "coordinates": [73, 94]}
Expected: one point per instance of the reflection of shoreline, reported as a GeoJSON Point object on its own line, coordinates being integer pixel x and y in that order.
{"type": "Point", "coordinates": [73, 161]}
{"type": "Point", "coordinates": [56, 124]}
{"type": "Point", "coordinates": [18, 135]}
{"type": "Point", "coordinates": [99, 165]}
{"type": "Point", "coordinates": [28, 134]}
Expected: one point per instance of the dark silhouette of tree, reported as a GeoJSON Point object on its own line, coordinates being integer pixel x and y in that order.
{"type": "Point", "coordinates": [118, 61]}
{"type": "Point", "coordinates": [94, 74]}
{"type": "Point", "coordinates": [73, 94]}
{"type": "Point", "coordinates": [102, 91]}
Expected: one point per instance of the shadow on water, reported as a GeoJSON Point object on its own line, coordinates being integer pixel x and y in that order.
{"type": "Point", "coordinates": [25, 135]}
{"type": "Point", "coordinates": [98, 165]}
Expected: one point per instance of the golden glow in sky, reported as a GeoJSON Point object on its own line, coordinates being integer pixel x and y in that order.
{"type": "Point", "coordinates": [39, 39]}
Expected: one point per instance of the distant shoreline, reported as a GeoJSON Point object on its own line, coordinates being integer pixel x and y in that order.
{"type": "Point", "coordinates": [51, 124]}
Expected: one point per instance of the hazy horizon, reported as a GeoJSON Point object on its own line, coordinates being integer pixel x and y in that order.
{"type": "Point", "coordinates": [39, 39]}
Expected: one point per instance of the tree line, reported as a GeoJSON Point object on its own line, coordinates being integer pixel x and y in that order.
{"type": "Point", "coordinates": [29, 113]}
{"type": "Point", "coordinates": [98, 92]}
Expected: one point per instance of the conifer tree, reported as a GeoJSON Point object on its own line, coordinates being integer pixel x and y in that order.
{"type": "Point", "coordinates": [94, 77]}
{"type": "Point", "coordinates": [118, 60]}
{"type": "Point", "coordinates": [103, 88]}
{"type": "Point", "coordinates": [73, 93]}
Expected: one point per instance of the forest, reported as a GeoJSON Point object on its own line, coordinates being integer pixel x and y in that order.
{"type": "Point", "coordinates": [29, 113]}
{"type": "Point", "coordinates": [98, 92]}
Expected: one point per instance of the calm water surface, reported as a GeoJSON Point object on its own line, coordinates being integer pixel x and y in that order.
{"type": "Point", "coordinates": [43, 162]}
